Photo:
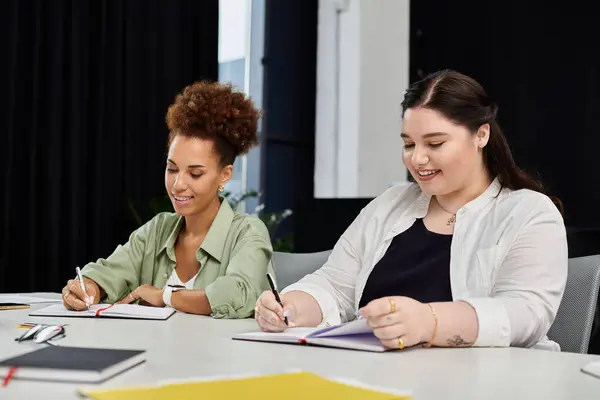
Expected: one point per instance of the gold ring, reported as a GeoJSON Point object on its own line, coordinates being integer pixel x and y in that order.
{"type": "Point", "coordinates": [400, 343]}
{"type": "Point", "coordinates": [257, 309]}
{"type": "Point", "coordinates": [392, 305]}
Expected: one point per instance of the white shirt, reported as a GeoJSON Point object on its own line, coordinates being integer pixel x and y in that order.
{"type": "Point", "coordinates": [508, 260]}
{"type": "Point", "coordinates": [174, 280]}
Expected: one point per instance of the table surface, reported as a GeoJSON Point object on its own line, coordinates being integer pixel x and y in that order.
{"type": "Point", "coordinates": [191, 346]}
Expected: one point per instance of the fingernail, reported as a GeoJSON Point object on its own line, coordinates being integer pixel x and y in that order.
{"type": "Point", "coordinates": [286, 313]}
{"type": "Point", "coordinates": [91, 299]}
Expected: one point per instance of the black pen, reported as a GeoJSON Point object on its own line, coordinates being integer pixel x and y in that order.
{"type": "Point", "coordinates": [272, 284]}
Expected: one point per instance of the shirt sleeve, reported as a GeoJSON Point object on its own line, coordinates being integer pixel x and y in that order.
{"type": "Point", "coordinates": [234, 294]}
{"type": "Point", "coordinates": [333, 285]}
{"type": "Point", "coordinates": [120, 272]}
{"type": "Point", "coordinates": [529, 285]}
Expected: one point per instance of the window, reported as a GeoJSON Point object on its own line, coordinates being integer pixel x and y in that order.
{"type": "Point", "coordinates": [241, 37]}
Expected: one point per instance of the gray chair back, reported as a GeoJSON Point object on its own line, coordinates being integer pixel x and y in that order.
{"type": "Point", "coordinates": [291, 267]}
{"type": "Point", "coordinates": [572, 327]}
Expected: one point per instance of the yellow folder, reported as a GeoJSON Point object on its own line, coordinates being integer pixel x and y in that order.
{"type": "Point", "coordinates": [294, 385]}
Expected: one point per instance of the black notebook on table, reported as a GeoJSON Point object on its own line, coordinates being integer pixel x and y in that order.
{"type": "Point", "coordinates": [71, 364]}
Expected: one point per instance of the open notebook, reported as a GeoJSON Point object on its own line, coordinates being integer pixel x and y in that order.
{"type": "Point", "coordinates": [289, 385]}
{"type": "Point", "coordinates": [355, 335]}
{"type": "Point", "coordinates": [133, 311]}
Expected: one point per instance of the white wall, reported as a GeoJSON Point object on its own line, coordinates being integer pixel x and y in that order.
{"type": "Point", "coordinates": [362, 73]}
{"type": "Point", "coordinates": [232, 29]}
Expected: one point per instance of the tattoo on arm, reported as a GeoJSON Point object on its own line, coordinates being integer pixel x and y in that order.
{"type": "Point", "coordinates": [458, 341]}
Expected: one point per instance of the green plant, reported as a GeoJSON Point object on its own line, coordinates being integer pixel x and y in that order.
{"type": "Point", "coordinates": [272, 220]}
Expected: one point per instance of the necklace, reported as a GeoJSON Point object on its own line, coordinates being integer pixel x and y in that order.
{"type": "Point", "coordinates": [452, 219]}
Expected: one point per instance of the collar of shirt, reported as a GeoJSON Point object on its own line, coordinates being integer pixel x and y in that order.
{"type": "Point", "coordinates": [420, 207]}
{"type": "Point", "coordinates": [214, 241]}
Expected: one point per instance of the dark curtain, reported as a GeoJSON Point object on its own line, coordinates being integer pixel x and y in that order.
{"type": "Point", "coordinates": [85, 88]}
{"type": "Point", "coordinates": [288, 134]}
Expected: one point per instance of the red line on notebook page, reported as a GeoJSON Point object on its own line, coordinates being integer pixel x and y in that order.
{"type": "Point", "coordinates": [98, 311]}
{"type": "Point", "coordinates": [9, 375]}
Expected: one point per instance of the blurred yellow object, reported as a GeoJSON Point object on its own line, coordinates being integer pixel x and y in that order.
{"type": "Point", "coordinates": [294, 385]}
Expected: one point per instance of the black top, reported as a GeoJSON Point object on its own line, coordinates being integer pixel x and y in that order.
{"type": "Point", "coordinates": [416, 265]}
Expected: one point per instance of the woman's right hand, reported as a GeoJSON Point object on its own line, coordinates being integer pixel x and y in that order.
{"type": "Point", "coordinates": [270, 315]}
{"type": "Point", "coordinates": [75, 299]}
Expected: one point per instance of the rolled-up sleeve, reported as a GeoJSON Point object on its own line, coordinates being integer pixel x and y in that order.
{"type": "Point", "coordinates": [234, 294]}
{"type": "Point", "coordinates": [529, 285]}
{"type": "Point", "coordinates": [121, 270]}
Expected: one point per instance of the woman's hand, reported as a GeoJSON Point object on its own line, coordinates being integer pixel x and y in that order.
{"type": "Point", "coordinates": [270, 315]}
{"type": "Point", "coordinates": [399, 321]}
{"type": "Point", "coordinates": [75, 299]}
{"type": "Point", "coordinates": [149, 295]}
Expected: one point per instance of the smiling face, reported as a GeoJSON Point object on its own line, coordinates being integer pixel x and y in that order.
{"type": "Point", "coordinates": [193, 174]}
{"type": "Point", "coordinates": [443, 157]}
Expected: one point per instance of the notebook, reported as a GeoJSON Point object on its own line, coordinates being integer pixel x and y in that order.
{"type": "Point", "coordinates": [290, 385]}
{"type": "Point", "coordinates": [71, 364]}
{"type": "Point", "coordinates": [354, 335]}
{"type": "Point", "coordinates": [105, 310]}
{"type": "Point", "coordinates": [592, 369]}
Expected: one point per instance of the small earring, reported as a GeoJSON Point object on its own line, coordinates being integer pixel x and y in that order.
{"type": "Point", "coordinates": [221, 189]}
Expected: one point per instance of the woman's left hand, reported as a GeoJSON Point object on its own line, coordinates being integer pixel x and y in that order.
{"type": "Point", "coordinates": [399, 322]}
{"type": "Point", "coordinates": [148, 294]}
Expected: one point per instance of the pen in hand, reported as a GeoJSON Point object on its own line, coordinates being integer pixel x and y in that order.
{"type": "Point", "coordinates": [276, 294]}
{"type": "Point", "coordinates": [80, 277]}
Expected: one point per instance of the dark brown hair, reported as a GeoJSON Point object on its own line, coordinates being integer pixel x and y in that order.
{"type": "Point", "coordinates": [463, 101]}
{"type": "Point", "coordinates": [215, 111]}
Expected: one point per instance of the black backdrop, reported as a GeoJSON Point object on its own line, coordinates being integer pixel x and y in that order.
{"type": "Point", "coordinates": [538, 60]}
{"type": "Point", "coordinates": [85, 87]}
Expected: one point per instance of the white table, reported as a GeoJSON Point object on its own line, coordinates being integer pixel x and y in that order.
{"type": "Point", "coordinates": [194, 346]}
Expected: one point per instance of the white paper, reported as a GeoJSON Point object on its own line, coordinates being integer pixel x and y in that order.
{"type": "Point", "coordinates": [356, 335]}
{"type": "Point", "coordinates": [356, 327]}
{"type": "Point", "coordinates": [290, 334]}
{"type": "Point", "coordinates": [136, 310]}
{"type": "Point", "coordinates": [26, 299]}
{"type": "Point", "coordinates": [117, 310]}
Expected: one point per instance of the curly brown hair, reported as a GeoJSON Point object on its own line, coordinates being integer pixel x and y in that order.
{"type": "Point", "coordinates": [216, 111]}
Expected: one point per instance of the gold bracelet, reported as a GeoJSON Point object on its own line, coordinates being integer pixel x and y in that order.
{"type": "Point", "coordinates": [435, 326]}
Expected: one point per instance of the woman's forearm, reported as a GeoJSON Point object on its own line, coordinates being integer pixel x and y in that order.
{"type": "Point", "coordinates": [457, 325]}
{"type": "Point", "coordinates": [305, 309]}
{"type": "Point", "coordinates": [191, 301]}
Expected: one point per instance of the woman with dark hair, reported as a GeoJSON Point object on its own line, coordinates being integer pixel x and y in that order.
{"type": "Point", "coordinates": [204, 258]}
{"type": "Point", "coordinates": [472, 254]}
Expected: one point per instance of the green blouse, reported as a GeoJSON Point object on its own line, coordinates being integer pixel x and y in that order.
{"type": "Point", "coordinates": [234, 260]}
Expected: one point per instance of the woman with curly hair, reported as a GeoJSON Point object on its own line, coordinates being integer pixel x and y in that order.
{"type": "Point", "coordinates": [204, 258]}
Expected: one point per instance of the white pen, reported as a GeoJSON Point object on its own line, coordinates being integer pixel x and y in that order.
{"type": "Point", "coordinates": [82, 285]}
